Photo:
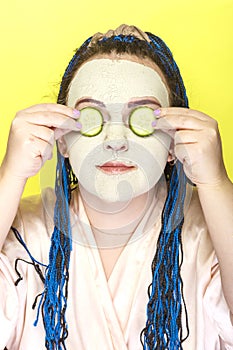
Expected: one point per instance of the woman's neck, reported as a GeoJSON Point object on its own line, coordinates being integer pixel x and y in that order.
{"type": "Point", "coordinates": [113, 224]}
{"type": "Point", "coordinates": [108, 216]}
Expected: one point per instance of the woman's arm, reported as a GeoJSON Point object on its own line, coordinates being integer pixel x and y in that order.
{"type": "Point", "coordinates": [217, 204]}
{"type": "Point", "coordinates": [11, 190]}
{"type": "Point", "coordinates": [30, 143]}
{"type": "Point", "coordinates": [197, 144]}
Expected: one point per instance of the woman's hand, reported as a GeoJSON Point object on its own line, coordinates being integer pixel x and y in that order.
{"type": "Point", "coordinates": [197, 143]}
{"type": "Point", "coordinates": [32, 136]}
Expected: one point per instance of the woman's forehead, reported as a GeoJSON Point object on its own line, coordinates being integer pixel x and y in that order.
{"type": "Point", "coordinates": [112, 80]}
{"type": "Point", "coordinates": [146, 61]}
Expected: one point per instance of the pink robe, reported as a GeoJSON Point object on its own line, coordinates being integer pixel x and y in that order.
{"type": "Point", "coordinates": [109, 314]}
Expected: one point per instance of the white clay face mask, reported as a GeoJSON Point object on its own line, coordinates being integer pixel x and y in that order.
{"type": "Point", "coordinates": [116, 164]}
{"type": "Point", "coordinates": [123, 78]}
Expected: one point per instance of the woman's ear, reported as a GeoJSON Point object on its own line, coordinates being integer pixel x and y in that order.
{"type": "Point", "coordinates": [171, 154]}
{"type": "Point", "coordinates": [170, 157]}
{"type": "Point", "coordinates": [62, 146]}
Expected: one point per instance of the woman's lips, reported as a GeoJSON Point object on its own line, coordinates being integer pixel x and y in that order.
{"type": "Point", "coordinates": [113, 168]}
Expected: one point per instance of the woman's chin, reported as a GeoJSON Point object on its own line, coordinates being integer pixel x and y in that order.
{"type": "Point", "coordinates": [110, 199]}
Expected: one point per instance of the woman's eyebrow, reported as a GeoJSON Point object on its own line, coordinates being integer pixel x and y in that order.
{"type": "Point", "coordinates": [143, 102]}
{"type": "Point", "coordinates": [90, 100]}
{"type": "Point", "coordinates": [130, 104]}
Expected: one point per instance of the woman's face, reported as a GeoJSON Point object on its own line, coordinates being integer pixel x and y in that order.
{"type": "Point", "coordinates": [118, 165]}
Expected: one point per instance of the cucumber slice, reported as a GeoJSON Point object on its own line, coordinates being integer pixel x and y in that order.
{"type": "Point", "coordinates": [91, 120]}
{"type": "Point", "coordinates": [140, 120]}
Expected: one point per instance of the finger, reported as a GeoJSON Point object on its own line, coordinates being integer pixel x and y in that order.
{"type": "Point", "coordinates": [179, 122]}
{"type": "Point", "coordinates": [169, 132]}
{"type": "Point", "coordinates": [41, 150]}
{"type": "Point", "coordinates": [186, 136]}
{"type": "Point", "coordinates": [61, 132]}
{"type": "Point", "coordinates": [44, 133]}
{"type": "Point", "coordinates": [52, 120]}
{"type": "Point", "coordinates": [52, 107]}
{"type": "Point", "coordinates": [185, 153]}
{"type": "Point", "coordinates": [186, 112]}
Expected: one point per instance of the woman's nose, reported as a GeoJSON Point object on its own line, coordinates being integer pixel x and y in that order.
{"type": "Point", "coordinates": [115, 139]}
{"type": "Point", "coordinates": [116, 145]}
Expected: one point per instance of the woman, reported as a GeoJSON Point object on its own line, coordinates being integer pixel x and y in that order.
{"type": "Point", "coordinates": [122, 120]}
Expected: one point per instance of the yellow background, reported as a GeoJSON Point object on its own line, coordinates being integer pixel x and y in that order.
{"type": "Point", "coordinates": [38, 39]}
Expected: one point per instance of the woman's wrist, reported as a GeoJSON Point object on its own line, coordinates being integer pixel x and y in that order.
{"type": "Point", "coordinates": [223, 182]}
{"type": "Point", "coordinates": [10, 179]}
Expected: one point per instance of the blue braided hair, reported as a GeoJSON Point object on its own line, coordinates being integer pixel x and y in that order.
{"type": "Point", "coordinates": [163, 328]}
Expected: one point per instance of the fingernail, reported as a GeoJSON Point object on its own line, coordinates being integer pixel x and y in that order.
{"type": "Point", "coordinates": [76, 112]}
{"type": "Point", "coordinates": [78, 125]}
{"type": "Point", "coordinates": [154, 123]}
{"type": "Point", "coordinates": [157, 112]}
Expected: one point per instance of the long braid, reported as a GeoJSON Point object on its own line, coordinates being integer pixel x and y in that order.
{"type": "Point", "coordinates": [57, 274]}
{"type": "Point", "coordinates": [163, 327]}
